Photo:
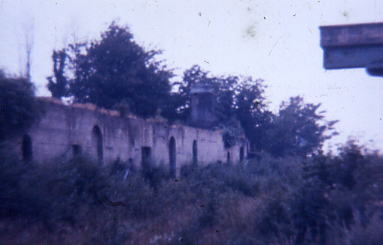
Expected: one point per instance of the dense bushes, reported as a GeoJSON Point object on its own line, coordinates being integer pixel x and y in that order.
{"type": "Point", "coordinates": [320, 200]}
{"type": "Point", "coordinates": [18, 107]}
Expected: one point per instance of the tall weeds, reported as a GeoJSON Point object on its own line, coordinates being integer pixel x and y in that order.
{"type": "Point", "coordinates": [323, 199]}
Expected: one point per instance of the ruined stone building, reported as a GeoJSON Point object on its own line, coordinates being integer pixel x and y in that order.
{"type": "Point", "coordinates": [104, 135]}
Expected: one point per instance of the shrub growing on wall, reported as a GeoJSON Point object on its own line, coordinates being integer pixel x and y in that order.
{"type": "Point", "coordinates": [18, 106]}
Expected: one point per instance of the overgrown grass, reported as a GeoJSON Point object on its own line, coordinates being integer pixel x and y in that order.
{"type": "Point", "coordinates": [320, 200]}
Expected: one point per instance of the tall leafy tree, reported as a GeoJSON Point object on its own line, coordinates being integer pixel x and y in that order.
{"type": "Point", "coordinates": [115, 70]}
{"type": "Point", "coordinates": [252, 111]}
{"type": "Point", "coordinates": [58, 83]}
{"type": "Point", "coordinates": [298, 129]}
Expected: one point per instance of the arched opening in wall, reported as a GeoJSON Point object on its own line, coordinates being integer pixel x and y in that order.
{"type": "Point", "coordinates": [195, 152]}
{"type": "Point", "coordinates": [172, 157]}
{"type": "Point", "coordinates": [76, 150]}
{"type": "Point", "coordinates": [26, 148]}
{"type": "Point", "coordinates": [98, 143]}
{"type": "Point", "coordinates": [241, 153]}
{"type": "Point", "coordinates": [146, 156]}
{"type": "Point", "coordinates": [131, 164]}
{"type": "Point", "coordinates": [228, 158]}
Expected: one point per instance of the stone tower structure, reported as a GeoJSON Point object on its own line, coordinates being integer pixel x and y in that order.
{"type": "Point", "coordinates": [202, 106]}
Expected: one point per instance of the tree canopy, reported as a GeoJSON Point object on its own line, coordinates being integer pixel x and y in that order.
{"type": "Point", "coordinates": [117, 72]}
{"type": "Point", "coordinates": [298, 128]}
{"type": "Point", "coordinates": [112, 71]}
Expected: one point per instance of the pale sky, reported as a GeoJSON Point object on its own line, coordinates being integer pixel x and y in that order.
{"type": "Point", "coordinates": [275, 40]}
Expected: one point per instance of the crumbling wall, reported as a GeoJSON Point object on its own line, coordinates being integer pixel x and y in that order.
{"type": "Point", "coordinates": [65, 131]}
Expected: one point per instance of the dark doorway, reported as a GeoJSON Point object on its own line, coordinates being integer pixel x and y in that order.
{"type": "Point", "coordinates": [26, 148]}
{"type": "Point", "coordinates": [98, 143]}
{"type": "Point", "coordinates": [195, 152]}
{"type": "Point", "coordinates": [146, 155]}
{"type": "Point", "coordinates": [172, 157]}
{"type": "Point", "coordinates": [76, 150]}
{"type": "Point", "coordinates": [228, 158]}
{"type": "Point", "coordinates": [241, 154]}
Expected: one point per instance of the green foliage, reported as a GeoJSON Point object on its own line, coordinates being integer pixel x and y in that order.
{"type": "Point", "coordinates": [231, 131]}
{"type": "Point", "coordinates": [229, 92]}
{"type": "Point", "coordinates": [298, 129]}
{"type": "Point", "coordinates": [115, 72]}
{"type": "Point", "coordinates": [323, 199]}
{"type": "Point", "coordinates": [237, 98]}
{"type": "Point", "coordinates": [110, 71]}
{"type": "Point", "coordinates": [58, 83]}
{"type": "Point", "coordinates": [252, 112]}
{"type": "Point", "coordinates": [19, 109]}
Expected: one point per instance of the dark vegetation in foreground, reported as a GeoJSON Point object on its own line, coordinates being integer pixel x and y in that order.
{"type": "Point", "coordinates": [320, 200]}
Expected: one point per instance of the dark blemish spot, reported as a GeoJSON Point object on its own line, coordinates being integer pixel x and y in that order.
{"type": "Point", "coordinates": [264, 17]}
{"type": "Point", "coordinates": [345, 14]}
{"type": "Point", "coordinates": [294, 15]}
{"type": "Point", "coordinates": [176, 180]}
{"type": "Point", "coordinates": [250, 31]}
{"type": "Point", "coordinates": [199, 13]}
{"type": "Point", "coordinates": [202, 206]}
{"type": "Point", "coordinates": [206, 61]}
{"type": "Point", "coordinates": [217, 231]}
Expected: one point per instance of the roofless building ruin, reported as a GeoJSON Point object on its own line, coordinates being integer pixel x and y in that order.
{"type": "Point", "coordinates": [66, 131]}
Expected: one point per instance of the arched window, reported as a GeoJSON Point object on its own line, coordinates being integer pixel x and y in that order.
{"type": "Point", "coordinates": [228, 158]}
{"type": "Point", "coordinates": [146, 158]}
{"type": "Point", "coordinates": [98, 143]}
{"type": "Point", "coordinates": [76, 150]}
{"type": "Point", "coordinates": [172, 157]}
{"type": "Point", "coordinates": [195, 152]}
{"type": "Point", "coordinates": [241, 154]}
{"type": "Point", "coordinates": [26, 148]}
